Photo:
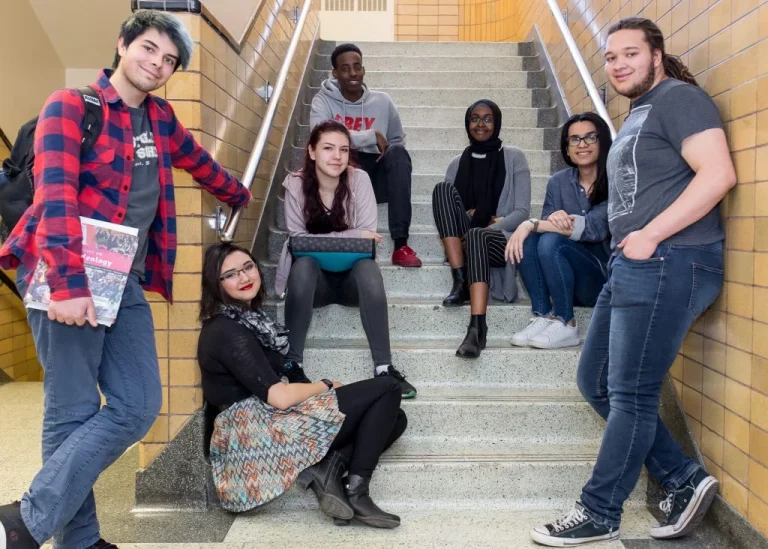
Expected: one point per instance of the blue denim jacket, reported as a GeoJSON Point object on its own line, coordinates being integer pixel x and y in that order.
{"type": "Point", "coordinates": [590, 222]}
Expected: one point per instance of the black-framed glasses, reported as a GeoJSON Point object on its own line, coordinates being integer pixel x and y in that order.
{"type": "Point", "coordinates": [487, 119]}
{"type": "Point", "coordinates": [229, 276]}
{"type": "Point", "coordinates": [589, 139]}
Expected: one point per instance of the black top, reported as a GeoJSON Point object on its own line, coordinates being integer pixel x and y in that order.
{"type": "Point", "coordinates": [233, 363]}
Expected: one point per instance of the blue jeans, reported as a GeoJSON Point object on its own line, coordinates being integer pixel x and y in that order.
{"type": "Point", "coordinates": [558, 268]}
{"type": "Point", "coordinates": [641, 318]}
{"type": "Point", "coordinates": [80, 437]}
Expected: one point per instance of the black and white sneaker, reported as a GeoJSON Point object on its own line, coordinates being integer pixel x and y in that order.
{"type": "Point", "coordinates": [13, 532]}
{"type": "Point", "coordinates": [408, 390]}
{"type": "Point", "coordinates": [686, 506]}
{"type": "Point", "coordinates": [575, 528]}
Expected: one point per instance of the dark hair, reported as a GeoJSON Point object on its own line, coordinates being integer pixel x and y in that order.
{"type": "Point", "coordinates": [673, 66]}
{"type": "Point", "coordinates": [213, 295]}
{"type": "Point", "coordinates": [599, 192]}
{"type": "Point", "coordinates": [313, 204]}
{"type": "Point", "coordinates": [143, 20]}
{"type": "Point", "coordinates": [344, 48]}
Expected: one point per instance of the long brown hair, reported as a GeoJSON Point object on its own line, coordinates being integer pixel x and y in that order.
{"type": "Point", "coordinates": [313, 204]}
{"type": "Point", "coordinates": [673, 66]}
{"type": "Point", "coordinates": [212, 294]}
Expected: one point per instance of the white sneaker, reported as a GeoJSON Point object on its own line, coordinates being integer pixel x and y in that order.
{"type": "Point", "coordinates": [556, 335]}
{"type": "Point", "coordinates": [537, 325]}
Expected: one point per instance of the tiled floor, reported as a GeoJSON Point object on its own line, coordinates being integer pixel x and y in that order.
{"type": "Point", "coordinates": [20, 408]}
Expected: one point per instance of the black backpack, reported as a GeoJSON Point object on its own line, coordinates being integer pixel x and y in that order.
{"type": "Point", "coordinates": [16, 194]}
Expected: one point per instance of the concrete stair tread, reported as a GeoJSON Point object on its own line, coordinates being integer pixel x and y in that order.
{"type": "Point", "coordinates": [490, 529]}
{"type": "Point", "coordinates": [426, 345]}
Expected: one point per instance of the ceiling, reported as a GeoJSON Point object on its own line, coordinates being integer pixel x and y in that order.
{"type": "Point", "coordinates": [83, 32]}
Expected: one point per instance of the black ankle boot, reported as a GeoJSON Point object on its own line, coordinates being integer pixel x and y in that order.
{"type": "Point", "coordinates": [294, 372]}
{"type": "Point", "coordinates": [325, 480]}
{"type": "Point", "coordinates": [365, 510]}
{"type": "Point", "coordinates": [460, 291]}
{"type": "Point", "coordinates": [474, 341]}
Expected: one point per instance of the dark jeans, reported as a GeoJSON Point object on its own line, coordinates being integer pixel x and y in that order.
{"type": "Point", "coordinates": [642, 315]}
{"type": "Point", "coordinates": [558, 268]}
{"type": "Point", "coordinates": [391, 180]}
{"type": "Point", "coordinates": [373, 422]}
{"type": "Point", "coordinates": [81, 438]}
{"type": "Point", "coordinates": [310, 287]}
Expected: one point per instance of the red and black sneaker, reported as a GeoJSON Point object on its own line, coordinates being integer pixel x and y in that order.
{"type": "Point", "coordinates": [404, 256]}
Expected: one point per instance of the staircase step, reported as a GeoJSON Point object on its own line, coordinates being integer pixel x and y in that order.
{"type": "Point", "coordinates": [503, 481]}
{"type": "Point", "coordinates": [502, 528]}
{"type": "Point", "coordinates": [445, 79]}
{"type": "Point", "coordinates": [426, 242]}
{"type": "Point", "coordinates": [457, 96]}
{"type": "Point", "coordinates": [441, 49]}
{"type": "Point", "coordinates": [422, 217]}
{"type": "Point", "coordinates": [434, 368]}
{"type": "Point", "coordinates": [391, 62]}
{"type": "Point", "coordinates": [422, 185]}
{"type": "Point", "coordinates": [519, 134]}
{"type": "Point", "coordinates": [431, 281]}
{"type": "Point", "coordinates": [453, 117]}
{"type": "Point", "coordinates": [412, 320]}
{"type": "Point", "coordinates": [435, 161]}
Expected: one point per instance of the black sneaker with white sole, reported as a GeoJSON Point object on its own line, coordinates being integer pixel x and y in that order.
{"type": "Point", "coordinates": [13, 531]}
{"type": "Point", "coordinates": [575, 528]}
{"type": "Point", "coordinates": [686, 506]}
{"type": "Point", "coordinates": [407, 390]}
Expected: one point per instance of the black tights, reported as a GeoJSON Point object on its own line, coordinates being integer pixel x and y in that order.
{"type": "Point", "coordinates": [373, 422]}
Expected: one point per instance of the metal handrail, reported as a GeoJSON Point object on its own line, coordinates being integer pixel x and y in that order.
{"type": "Point", "coordinates": [586, 77]}
{"type": "Point", "coordinates": [230, 226]}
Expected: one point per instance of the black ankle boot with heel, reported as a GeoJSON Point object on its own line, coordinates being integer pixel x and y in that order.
{"type": "Point", "coordinates": [325, 480]}
{"type": "Point", "coordinates": [460, 291]}
{"type": "Point", "coordinates": [366, 511]}
{"type": "Point", "coordinates": [474, 341]}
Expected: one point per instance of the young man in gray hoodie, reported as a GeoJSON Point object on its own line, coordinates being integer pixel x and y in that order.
{"type": "Point", "coordinates": [377, 138]}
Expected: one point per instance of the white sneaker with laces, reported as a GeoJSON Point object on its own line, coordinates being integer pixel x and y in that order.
{"type": "Point", "coordinates": [537, 325]}
{"type": "Point", "coordinates": [555, 336]}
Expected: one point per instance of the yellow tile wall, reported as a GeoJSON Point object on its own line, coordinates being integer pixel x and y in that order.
{"type": "Point", "coordinates": [17, 350]}
{"type": "Point", "coordinates": [722, 371]}
{"type": "Point", "coordinates": [427, 20]}
{"type": "Point", "coordinates": [216, 99]}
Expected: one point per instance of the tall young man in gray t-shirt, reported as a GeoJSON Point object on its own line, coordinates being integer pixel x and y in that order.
{"type": "Point", "coordinates": [668, 170]}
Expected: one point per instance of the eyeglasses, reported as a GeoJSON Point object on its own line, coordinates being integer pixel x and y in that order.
{"type": "Point", "coordinates": [589, 139]}
{"type": "Point", "coordinates": [488, 119]}
{"type": "Point", "coordinates": [229, 276]}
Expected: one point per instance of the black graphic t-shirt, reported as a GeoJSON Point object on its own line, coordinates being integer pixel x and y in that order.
{"type": "Point", "coordinates": [145, 185]}
{"type": "Point", "coordinates": [647, 173]}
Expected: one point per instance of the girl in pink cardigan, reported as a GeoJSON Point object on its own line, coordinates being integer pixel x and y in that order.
{"type": "Point", "coordinates": [329, 197]}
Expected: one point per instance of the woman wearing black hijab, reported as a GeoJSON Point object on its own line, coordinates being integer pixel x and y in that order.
{"type": "Point", "coordinates": [485, 196]}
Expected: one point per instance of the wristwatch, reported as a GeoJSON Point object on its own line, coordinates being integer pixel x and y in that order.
{"type": "Point", "coordinates": [328, 382]}
{"type": "Point", "coordinates": [535, 224]}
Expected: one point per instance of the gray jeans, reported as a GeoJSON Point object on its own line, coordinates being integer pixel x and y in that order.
{"type": "Point", "coordinates": [310, 287]}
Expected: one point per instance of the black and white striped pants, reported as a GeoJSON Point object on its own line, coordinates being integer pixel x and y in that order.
{"type": "Point", "coordinates": [483, 247]}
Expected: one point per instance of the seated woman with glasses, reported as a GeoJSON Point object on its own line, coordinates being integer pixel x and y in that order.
{"type": "Point", "coordinates": [485, 196]}
{"type": "Point", "coordinates": [268, 432]}
{"type": "Point", "coordinates": [563, 257]}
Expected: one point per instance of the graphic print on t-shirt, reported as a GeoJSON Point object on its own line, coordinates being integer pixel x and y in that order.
{"type": "Point", "coordinates": [144, 149]}
{"type": "Point", "coordinates": [622, 165]}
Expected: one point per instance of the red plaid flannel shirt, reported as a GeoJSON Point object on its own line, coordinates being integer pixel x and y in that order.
{"type": "Point", "coordinates": [97, 186]}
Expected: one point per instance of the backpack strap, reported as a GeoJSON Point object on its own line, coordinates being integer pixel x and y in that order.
{"type": "Point", "coordinates": [93, 121]}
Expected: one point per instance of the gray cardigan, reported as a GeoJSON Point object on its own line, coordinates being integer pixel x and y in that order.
{"type": "Point", "coordinates": [514, 207]}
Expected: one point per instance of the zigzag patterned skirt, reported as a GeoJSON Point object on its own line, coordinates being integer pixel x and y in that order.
{"type": "Point", "coordinates": [257, 450]}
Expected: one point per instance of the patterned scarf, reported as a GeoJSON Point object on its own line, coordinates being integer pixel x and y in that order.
{"type": "Point", "coordinates": [270, 334]}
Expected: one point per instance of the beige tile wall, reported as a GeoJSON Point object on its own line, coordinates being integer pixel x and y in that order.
{"type": "Point", "coordinates": [427, 20]}
{"type": "Point", "coordinates": [17, 350]}
{"type": "Point", "coordinates": [721, 373]}
{"type": "Point", "coordinates": [216, 99]}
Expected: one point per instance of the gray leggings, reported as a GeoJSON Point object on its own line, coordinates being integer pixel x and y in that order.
{"type": "Point", "coordinates": [310, 287]}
